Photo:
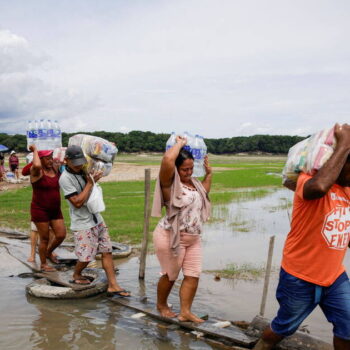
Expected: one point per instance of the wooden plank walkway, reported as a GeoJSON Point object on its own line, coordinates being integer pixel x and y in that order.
{"type": "Point", "coordinates": [19, 250]}
{"type": "Point", "coordinates": [231, 334]}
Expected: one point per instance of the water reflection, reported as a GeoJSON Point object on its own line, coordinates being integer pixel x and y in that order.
{"type": "Point", "coordinates": [242, 232]}
{"type": "Point", "coordinates": [239, 234]}
{"type": "Point", "coordinates": [97, 323]}
{"type": "Point", "coordinates": [72, 325]}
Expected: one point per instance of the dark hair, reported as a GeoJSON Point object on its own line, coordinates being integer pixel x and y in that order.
{"type": "Point", "coordinates": [183, 155]}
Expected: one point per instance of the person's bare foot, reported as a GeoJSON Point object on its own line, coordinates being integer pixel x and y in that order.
{"type": "Point", "coordinates": [165, 311]}
{"type": "Point", "coordinates": [185, 317]}
{"type": "Point", "coordinates": [47, 268]}
{"type": "Point", "coordinates": [31, 259]}
{"type": "Point", "coordinates": [53, 258]}
{"type": "Point", "coordinates": [80, 280]}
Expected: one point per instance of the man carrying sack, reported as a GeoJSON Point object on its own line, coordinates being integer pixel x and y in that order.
{"type": "Point", "coordinates": [90, 232]}
{"type": "Point", "coordinates": [312, 271]}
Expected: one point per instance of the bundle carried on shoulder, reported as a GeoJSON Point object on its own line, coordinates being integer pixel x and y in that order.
{"type": "Point", "coordinates": [59, 154]}
{"type": "Point", "coordinates": [308, 156]}
{"type": "Point", "coordinates": [99, 152]}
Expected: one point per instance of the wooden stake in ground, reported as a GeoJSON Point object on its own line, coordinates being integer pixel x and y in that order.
{"type": "Point", "coordinates": [147, 214]}
{"type": "Point", "coordinates": [267, 276]}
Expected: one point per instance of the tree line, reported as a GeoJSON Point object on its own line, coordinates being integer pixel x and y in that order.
{"type": "Point", "coordinates": [146, 141]}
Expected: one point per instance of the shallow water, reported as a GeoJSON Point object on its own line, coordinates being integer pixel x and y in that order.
{"type": "Point", "coordinates": [96, 323]}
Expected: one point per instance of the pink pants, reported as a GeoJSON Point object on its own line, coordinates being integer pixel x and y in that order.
{"type": "Point", "coordinates": [189, 258]}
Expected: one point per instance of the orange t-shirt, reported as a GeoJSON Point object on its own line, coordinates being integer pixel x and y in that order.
{"type": "Point", "coordinates": [319, 235]}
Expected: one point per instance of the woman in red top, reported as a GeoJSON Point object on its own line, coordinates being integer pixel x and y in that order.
{"type": "Point", "coordinates": [46, 205]}
{"type": "Point", "coordinates": [13, 163]}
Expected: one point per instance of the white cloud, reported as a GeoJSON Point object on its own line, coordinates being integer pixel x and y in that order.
{"type": "Point", "coordinates": [207, 66]}
{"type": "Point", "coordinates": [24, 95]}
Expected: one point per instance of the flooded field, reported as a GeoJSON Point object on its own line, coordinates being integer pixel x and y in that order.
{"type": "Point", "coordinates": [238, 233]}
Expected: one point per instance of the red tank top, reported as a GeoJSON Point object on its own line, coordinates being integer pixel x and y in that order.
{"type": "Point", "coordinates": [46, 193]}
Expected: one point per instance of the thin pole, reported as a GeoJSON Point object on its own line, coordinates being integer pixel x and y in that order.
{"type": "Point", "coordinates": [147, 214]}
{"type": "Point", "coordinates": [267, 276]}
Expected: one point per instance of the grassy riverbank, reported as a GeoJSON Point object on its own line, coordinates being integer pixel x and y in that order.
{"type": "Point", "coordinates": [125, 200]}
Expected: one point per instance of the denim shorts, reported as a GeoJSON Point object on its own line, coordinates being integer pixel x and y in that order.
{"type": "Point", "coordinates": [298, 298]}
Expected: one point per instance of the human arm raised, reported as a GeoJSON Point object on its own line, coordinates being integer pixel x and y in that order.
{"type": "Point", "coordinates": [35, 170]}
{"type": "Point", "coordinates": [324, 179]}
{"type": "Point", "coordinates": [167, 167]}
{"type": "Point", "coordinates": [206, 182]}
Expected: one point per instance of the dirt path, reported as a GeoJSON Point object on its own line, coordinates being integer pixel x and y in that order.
{"type": "Point", "coordinates": [130, 172]}
{"type": "Point", "coordinates": [120, 172]}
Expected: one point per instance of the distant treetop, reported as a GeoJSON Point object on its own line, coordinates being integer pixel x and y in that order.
{"type": "Point", "coordinates": [146, 141]}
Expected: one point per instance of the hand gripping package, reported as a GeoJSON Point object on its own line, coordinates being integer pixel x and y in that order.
{"type": "Point", "coordinates": [99, 152]}
{"type": "Point", "coordinates": [308, 156]}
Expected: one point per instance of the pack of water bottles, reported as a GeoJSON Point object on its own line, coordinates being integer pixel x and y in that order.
{"type": "Point", "coordinates": [99, 152]}
{"type": "Point", "coordinates": [195, 145]}
{"type": "Point", "coordinates": [45, 134]}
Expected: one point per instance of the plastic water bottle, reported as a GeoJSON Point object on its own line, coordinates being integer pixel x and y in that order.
{"type": "Point", "coordinates": [36, 131]}
{"type": "Point", "coordinates": [204, 146]}
{"type": "Point", "coordinates": [204, 153]}
{"type": "Point", "coordinates": [42, 136]}
{"type": "Point", "coordinates": [50, 136]}
{"type": "Point", "coordinates": [57, 134]}
{"type": "Point", "coordinates": [29, 134]}
{"type": "Point", "coordinates": [32, 134]}
{"type": "Point", "coordinates": [197, 153]}
{"type": "Point", "coordinates": [189, 144]}
{"type": "Point", "coordinates": [171, 141]}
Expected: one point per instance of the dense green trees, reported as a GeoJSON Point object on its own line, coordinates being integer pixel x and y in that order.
{"type": "Point", "coordinates": [146, 141]}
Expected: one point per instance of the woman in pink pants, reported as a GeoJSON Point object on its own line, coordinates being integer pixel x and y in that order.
{"type": "Point", "coordinates": [177, 236]}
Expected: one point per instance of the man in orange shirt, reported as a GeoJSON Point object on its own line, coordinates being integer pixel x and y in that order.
{"type": "Point", "coordinates": [312, 271]}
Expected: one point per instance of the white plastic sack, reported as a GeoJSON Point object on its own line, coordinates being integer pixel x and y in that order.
{"type": "Point", "coordinates": [95, 147]}
{"type": "Point", "coordinates": [95, 203]}
{"type": "Point", "coordinates": [308, 156]}
{"type": "Point", "coordinates": [94, 165]}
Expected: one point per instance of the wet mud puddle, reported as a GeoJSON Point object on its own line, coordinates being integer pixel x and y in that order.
{"type": "Point", "coordinates": [239, 234]}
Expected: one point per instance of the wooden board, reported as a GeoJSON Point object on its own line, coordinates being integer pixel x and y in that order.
{"type": "Point", "coordinates": [231, 334]}
{"type": "Point", "coordinates": [62, 278]}
{"type": "Point", "coordinates": [19, 251]}
{"type": "Point", "coordinates": [297, 341]}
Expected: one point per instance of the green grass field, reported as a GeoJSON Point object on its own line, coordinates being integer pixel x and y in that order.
{"type": "Point", "coordinates": [125, 200]}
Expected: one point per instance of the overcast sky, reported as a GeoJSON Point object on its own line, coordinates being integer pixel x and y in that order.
{"type": "Point", "coordinates": [220, 68]}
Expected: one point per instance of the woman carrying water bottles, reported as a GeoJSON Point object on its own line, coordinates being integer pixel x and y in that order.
{"type": "Point", "coordinates": [46, 205]}
{"type": "Point", "coordinates": [177, 238]}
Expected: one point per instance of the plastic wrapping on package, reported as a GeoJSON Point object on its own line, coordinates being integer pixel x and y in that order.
{"type": "Point", "coordinates": [29, 157]}
{"type": "Point", "coordinates": [95, 147]}
{"type": "Point", "coordinates": [97, 165]}
{"type": "Point", "coordinates": [59, 154]}
{"type": "Point", "coordinates": [308, 156]}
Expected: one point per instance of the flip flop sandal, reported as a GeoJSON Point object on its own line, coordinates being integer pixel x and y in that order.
{"type": "Point", "coordinates": [118, 293]}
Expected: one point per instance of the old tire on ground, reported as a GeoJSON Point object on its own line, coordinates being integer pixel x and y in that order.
{"type": "Point", "coordinates": [119, 251]}
{"type": "Point", "coordinates": [42, 288]}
